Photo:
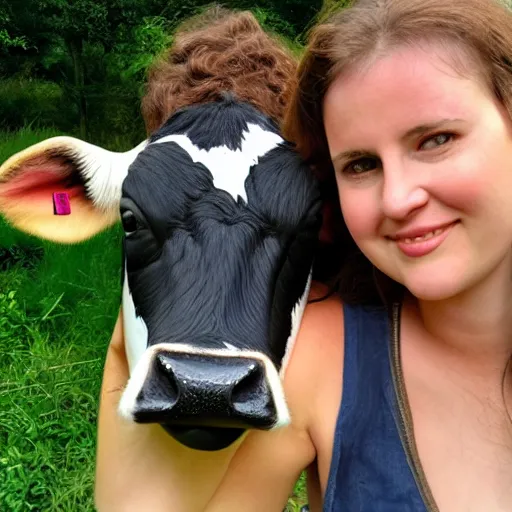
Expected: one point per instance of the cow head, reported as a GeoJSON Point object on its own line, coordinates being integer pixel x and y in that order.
{"type": "Point", "coordinates": [221, 219]}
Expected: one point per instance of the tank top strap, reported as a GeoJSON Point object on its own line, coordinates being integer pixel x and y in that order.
{"type": "Point", "coordinates": [369, 468]}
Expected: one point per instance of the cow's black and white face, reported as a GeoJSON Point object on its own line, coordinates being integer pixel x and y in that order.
{"type": "Point", "coordinates": [221, 220]}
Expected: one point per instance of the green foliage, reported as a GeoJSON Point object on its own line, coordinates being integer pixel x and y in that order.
{"type": "Point", "coordinates": [136, 48]}
{"type": "Point", "coordinates": [80, 19]}
{"type": "Point", "coordinates": [331, 6]}
{"type": "Point", "coordinates": [34, 102]}
{"type": "Point", "coordinates": [279, 28]}
{"type": "Point", "coordinates": [19, 256]}
{"type": "Point", "coordinates": [113, 97]}
{"type": "Point", "coordinates": [7, 41]}
{"type": "Point", "coordinates": [13, 142]}
{"type": "Point", "coordinates": [274, 23]}
{"type": "Point", "coordinates": [97, 53]}
{"type": "Point", "coordinates": [53, 340]}
{"type": "Point", "coordinates": [299, 497]}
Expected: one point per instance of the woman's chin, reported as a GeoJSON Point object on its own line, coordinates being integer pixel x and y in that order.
{"type": "Point", "coordinates": [434, 289]}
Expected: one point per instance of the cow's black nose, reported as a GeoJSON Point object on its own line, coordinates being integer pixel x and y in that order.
{"type": "Point", "coordinates": [206, 401]}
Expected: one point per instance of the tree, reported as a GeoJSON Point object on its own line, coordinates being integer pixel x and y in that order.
{"type": "Point", "coordinates": [98, 50]}
{"type": "Point", "coordinates": [68, 29]}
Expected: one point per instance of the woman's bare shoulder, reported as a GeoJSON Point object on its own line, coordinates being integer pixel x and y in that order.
{"type": "Point", "coordinates": [314, 379]}
{"type": "Point", "coordinates": [318, 351]}
{"type": "Point", "coordinates": [323, 317]}
{"type": "Point", "coordinates": [321, 329]}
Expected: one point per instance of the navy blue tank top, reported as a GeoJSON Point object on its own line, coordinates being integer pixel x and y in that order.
{"type": "Point", "coordinates": [370, 471]}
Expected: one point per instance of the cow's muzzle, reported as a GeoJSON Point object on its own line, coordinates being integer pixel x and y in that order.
{"type": "Point", "coordinates": [206, 399]}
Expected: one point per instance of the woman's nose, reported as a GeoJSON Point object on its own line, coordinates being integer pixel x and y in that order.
{"type": "Point", "coordinates": [402, 191]}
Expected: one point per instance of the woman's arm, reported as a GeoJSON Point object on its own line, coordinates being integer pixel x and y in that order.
{"type": "Point", "coordinates": [264, 470]}
{"type": "Point", "coordinates": [140, 467]}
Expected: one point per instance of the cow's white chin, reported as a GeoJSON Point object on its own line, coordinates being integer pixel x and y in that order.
{"type": "Point", "coordinates": [139, 374]}
{"type": "Point", "coordinates": [135, 329]}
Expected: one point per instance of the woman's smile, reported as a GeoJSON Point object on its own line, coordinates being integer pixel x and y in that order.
{"type": "Point", "coordinates": [418, 242]}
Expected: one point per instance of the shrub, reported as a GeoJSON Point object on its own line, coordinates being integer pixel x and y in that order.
{"type": "Point", "coordinates": [32, 102]}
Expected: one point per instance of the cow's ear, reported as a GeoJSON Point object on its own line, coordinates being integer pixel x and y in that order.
{"type": "Point", "coordinates": [38, 184]}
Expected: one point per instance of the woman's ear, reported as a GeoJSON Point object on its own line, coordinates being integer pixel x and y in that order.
{"type": "Point", "coordinates": [64, 189]}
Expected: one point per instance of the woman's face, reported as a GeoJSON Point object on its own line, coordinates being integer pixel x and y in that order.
{"type": "Point", "coordinates": [423, 162]}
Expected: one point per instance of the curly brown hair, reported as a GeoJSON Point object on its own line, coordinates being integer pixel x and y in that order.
{"type": "Point", "coordinates": [220, 51]}
{"type": "Point", "coordinates": [354, 35]}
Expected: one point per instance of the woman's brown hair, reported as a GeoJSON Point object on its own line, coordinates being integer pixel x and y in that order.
{"type": "Point", "coordinates": [354, 35]}
{"type": "Point", "coordinates": [216, 52]}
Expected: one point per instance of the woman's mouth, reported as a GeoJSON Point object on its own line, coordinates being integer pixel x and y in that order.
{"type": "Point", "coordinates": [416, 245]}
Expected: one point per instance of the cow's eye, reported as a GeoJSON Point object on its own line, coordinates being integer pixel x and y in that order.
{"type": "Point", "coordinates": [141, 245]}
{"type": "Point", "coordinates": [129, 221]}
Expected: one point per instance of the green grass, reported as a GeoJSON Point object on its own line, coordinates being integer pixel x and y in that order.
{"type": "Point", "coordinates": [55, 325]}
{"type": "Point", "coordinates": [56, 317]}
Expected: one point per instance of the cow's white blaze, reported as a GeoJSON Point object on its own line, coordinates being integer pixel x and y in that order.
{"type": "Point", "coordinates": [230, 168]}
{"type": "Point", "coordinates": [297, 313]}
{"type": "Point", "coordinates": [140, 373]}
{"type": "Point", "coordinates": [135, 329]}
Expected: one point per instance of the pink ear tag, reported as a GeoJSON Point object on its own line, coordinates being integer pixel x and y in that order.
{"type": "Point", "coordinates": [61, 204]}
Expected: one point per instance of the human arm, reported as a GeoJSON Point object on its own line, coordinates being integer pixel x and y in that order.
{"type": "Point", "coordinates": [142, 468]}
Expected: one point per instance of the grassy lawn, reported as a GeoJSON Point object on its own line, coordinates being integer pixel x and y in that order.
{"type": "Point", "coordinates": [58, 305]}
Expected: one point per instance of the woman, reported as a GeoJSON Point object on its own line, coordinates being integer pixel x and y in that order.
{"type": "Point", "coordinates": [399, 385]}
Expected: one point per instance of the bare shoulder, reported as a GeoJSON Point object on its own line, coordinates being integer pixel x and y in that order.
{"type": "Point", "coordinates": [314, 381]}
{"type": "Point", "coordinates": [322, 324]}
{"type": "Point", "coordinates": [318, 349]}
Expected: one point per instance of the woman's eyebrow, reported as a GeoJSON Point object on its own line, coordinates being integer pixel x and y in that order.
{"type": "Point", "coordinates": [422, 129]}
{"type": "Point", "coordinates": [351, 154]}
{"type": "Point", "coordinates": [417, 131]}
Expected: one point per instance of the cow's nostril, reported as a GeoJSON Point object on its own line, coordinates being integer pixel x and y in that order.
{"type": "Point", "coordinates": [251, 396]}
{"type": "Point", "coordinates": [165, 384]}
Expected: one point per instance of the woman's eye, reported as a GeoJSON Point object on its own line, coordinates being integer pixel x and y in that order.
{"type": "Point", "coordinates": [129, 221]}
{"type": "Point", "coordinates": [361, 166]}
{"type": "Point", "coordinates": [437, 140]}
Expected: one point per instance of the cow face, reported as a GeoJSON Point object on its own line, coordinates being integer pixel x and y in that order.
{"type": "Point", "coordinates": [221, 219]}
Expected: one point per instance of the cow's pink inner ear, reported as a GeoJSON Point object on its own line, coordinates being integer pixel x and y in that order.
{"type": "Point", "coordinates": [26, 199]}
{"type": "Point", "coordinates": [40, 177]}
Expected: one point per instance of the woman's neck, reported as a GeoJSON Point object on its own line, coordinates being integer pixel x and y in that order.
{"type": "Point", "coordinates": [476, 323]}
